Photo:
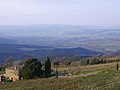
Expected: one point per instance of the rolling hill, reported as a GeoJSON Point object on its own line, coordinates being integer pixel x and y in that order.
{"type": "Point", "coordinates": [27, 51]}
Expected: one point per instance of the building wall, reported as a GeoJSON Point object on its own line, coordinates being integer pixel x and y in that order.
{"type": "Point", "coordinates": [12, 74]}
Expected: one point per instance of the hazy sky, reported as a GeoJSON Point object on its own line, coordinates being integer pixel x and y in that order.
{"type": "Point", "coordinates": [73, 12]}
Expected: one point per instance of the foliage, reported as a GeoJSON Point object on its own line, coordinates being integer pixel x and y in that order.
{"type": "Point", "coordinates": [32, 69]}
{"type": "Point", "coordinates": [117, 67]}
{"type": "Point", "coordinates": [99, 60]}
{"type": "Point", "coordinates": [2, 68]}
{"type": "Point", "coordinates": [8, 80]}
{"type": "Point", "coordinates": [56, 73]}
{"type": "Point", "coordinates": [47, 67]}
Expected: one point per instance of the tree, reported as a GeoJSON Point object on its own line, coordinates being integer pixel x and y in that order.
{"type": "Point", "coordinates": [47, 67]}
{"type": "Point", "coordinates": [117, 67]}
{"type": "Point", "coordinates": [56, 73]}
{"type": "Point", "coordinates": [32, 69]}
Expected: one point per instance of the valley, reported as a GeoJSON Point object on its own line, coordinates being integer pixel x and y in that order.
{"type": "Point", "coordinates": [19, 52]}
{"type": "Point", "coordinates": [96, 38]}
{"type": "Point", "coordinates": [58, 40]}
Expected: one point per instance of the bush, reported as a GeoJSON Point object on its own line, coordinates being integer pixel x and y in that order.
{"type": "Point", "coordinates": [8, 80]}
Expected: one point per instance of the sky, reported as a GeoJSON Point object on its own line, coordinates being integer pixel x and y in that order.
{"type": "Point", "coordinates": [69, 12]}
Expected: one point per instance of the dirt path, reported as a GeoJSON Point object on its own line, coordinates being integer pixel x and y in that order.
{"type": "Point", "coordinates": [81, 75]}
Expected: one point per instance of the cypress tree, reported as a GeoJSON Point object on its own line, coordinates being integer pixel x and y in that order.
{"type": "Point", "coordinates": [47, 67]}
{"type": "Point", "coordinates": [117, 67]}
{"type": "Point", "coordinates": [56, 73]}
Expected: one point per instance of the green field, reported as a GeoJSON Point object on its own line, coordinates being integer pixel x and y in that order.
{"type": "Point", "coordinates": [104, 80]}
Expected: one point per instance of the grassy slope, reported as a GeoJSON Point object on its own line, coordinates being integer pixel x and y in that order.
{"type": "Point", "coordinates": [107, 79]}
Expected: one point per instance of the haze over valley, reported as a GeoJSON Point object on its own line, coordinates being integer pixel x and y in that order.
{"type": "Point", "coordinates": [105, 39]}
{"type": "Point", "coordinates": [42, 40]}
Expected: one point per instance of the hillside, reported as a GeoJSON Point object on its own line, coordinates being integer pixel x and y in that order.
{"type": "Point", "coordinates": [106, 78]}
{"type": "Point", "coordinates": [27, 51]}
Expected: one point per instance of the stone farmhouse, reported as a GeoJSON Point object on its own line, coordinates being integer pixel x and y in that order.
{"type": "Point", "coordinates": [12, 73]}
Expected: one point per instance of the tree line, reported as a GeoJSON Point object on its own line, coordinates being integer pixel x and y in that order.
{"type": "Point", "coordinates": [98, 60]}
